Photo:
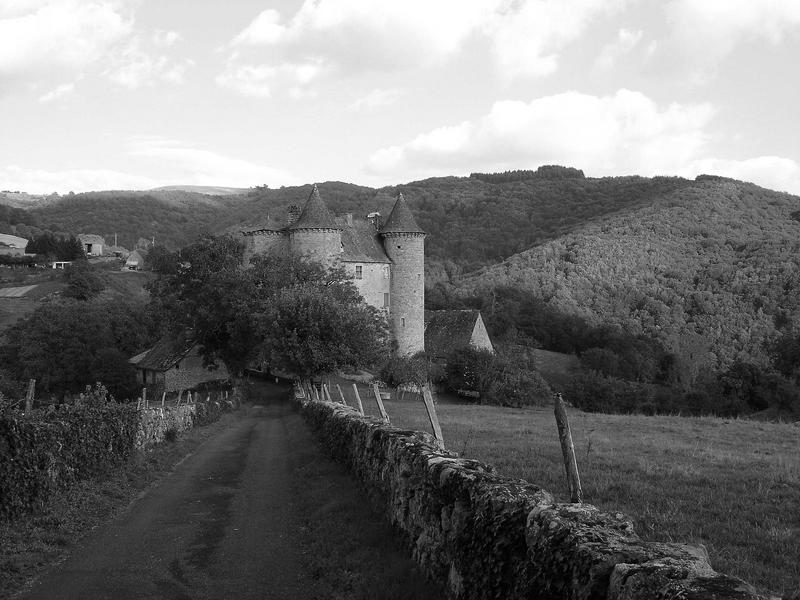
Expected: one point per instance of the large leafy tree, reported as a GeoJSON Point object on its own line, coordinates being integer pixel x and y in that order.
{"type": "Point", "coordinates": [301, 316]}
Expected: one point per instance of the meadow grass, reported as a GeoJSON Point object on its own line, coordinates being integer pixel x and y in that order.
{"type": "Point", "coordinates": [732, 485]}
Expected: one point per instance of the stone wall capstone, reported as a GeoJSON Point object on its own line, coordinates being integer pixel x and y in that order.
{"type": "Point", "coordinates": [487, 536]}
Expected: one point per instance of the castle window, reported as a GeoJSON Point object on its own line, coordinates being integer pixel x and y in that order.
{"type": "Point", "coordinates": [386, 271]}
{"type": "Point", "coordinates": [358, 271]}
{"type": "Point", "coordinates": [386, 300]}
{"type": "Point", "coordinates": [403, 321]}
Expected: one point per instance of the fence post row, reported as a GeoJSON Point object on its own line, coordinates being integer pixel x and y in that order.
{"type": "Point", "coordinates": [380, 402]}
{"type": "Point", "coordinates": [427, 397]}
{"type": "Point", "coordinates": [358, 399]}
{"type": "Point", "coordinates": [568, 450]}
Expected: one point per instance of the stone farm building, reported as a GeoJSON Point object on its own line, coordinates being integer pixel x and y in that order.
{"type": "Point", "coordinates": [447, 330]}
{"type": "Point", "coordinates": [385, 258]}
{"type": "Point", "coordinates": [92, 244]}
{"type": "Point", "coordinates": [172, 365]}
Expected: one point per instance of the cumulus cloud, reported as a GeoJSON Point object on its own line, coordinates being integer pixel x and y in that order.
{"type": "Point", "coordinates": [528, 36]}
{"type": "Point", "coordinates": [260, 80]}
{"type": "Point", "coordinates": [351, 36]}
{"type": "Point", "coordinates": [705, 32]}
{"type": "Point", "coordinates": [611, 53]}
{"type": "Point", "coordinates": [625, 132]}
{"type": "Point", "coordinates": [37, 37]}
{"type": "Point", "coordinates": [190, 165]}
{"type": "Point", "coordinates": [135, 65]}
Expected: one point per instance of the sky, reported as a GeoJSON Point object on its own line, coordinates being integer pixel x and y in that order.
{"type": "Point", "coordinates": [135, 94]}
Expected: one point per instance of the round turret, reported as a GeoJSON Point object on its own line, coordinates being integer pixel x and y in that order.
{"type": "Point", "coordinates": [315, 235]}
{"type": "Point", "coordinates": [404, 243]}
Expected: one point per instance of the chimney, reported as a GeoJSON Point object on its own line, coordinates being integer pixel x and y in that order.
{"type": "Point", "coordinates": [294, 213]}
{"type": "Point", "coordinates": [375, 219]}
{"type": "Point", "coordinates": [349, 217]}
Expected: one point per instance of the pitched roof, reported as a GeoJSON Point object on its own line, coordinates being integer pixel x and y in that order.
{"type": "Point", "coordinates": [315, 214]}
{"type": "Point", "coordinates": [401, 220]}
{"type": "Point", "coordinates": [449, 329]}
{"type": "Point", "coordinates": [137, 256]}
{"type": "Point", "coordinates": [360, 241]}
{"type": "Point", "coordinates": [90, 238]}
{"type": "Point", "coordinates": [164, 355]}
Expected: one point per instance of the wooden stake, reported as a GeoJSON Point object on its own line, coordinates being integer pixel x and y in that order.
{"type": "Point", "coordinates": [341, 394]}
{"type": "Point", "coordinates": [29, 395]}
{"type": "Point", "coordinates": [358, 399]}
{"type": "Point", "coordinates": [380, 402]}
{"type": "Point", "coordinates": [163, 397]}
{"type": "Point", "coordinates": [427, 397]}
{"type": "Point", "coordinates": [144, 397]}
{"type": "Point", "coordinates": [568, 450]}
{"type": "Point", "coordinates": [327, 392]}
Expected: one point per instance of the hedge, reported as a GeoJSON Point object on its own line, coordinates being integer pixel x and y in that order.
{"type": "Point", "coordinates": [47, 450]}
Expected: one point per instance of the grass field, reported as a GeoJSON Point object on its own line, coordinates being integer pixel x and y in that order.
{"type": "Point", "coordinates": [731, 485]}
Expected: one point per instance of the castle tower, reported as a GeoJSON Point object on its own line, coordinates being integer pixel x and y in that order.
{"type": "Point", "coordinates": [404, 243]}
{"type": "Point", "coordinates": [315, 235]}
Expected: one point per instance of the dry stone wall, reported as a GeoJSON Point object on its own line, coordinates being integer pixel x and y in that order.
{"type": "Point", "coordinates": [487, 536]}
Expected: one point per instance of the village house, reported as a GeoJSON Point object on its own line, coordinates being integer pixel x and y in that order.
{"type": "Point", "coordinates": [172, 365]}
{"type": "Point", "coordinates": [134, 262]}
{"type": "Point", "coordinates": [92, 244]}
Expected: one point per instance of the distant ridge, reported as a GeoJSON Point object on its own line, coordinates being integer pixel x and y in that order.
{"type": "Point", "coordinates": [209, 190]}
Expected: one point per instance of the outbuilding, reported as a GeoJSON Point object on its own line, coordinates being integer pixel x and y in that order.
{"type": "Point", "coordinates": [173, 365]}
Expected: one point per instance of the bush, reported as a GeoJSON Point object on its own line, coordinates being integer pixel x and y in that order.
{"type": "Point", "coordinates": [47, 450]}
{"type": "Point", "coordinates": [594, 392]}
{"type": "Point", "coordinates": [406, 370]}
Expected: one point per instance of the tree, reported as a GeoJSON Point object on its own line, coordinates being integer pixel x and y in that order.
{"type": "Point", "coordinates": [302, 316]}
{"type": "Point", "coordinates": [83, 282]}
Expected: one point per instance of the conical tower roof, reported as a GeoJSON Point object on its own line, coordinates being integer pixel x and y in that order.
{"type": "Point", "coordinates": [401, 220]}
{"type": "Point", "coordinates": [315, 214]}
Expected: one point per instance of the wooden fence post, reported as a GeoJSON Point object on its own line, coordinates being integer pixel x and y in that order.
{"type": "Point", "coordinates": [341, 394]}
{"type": "Point", "coordinates": [568, 450]}
{"type": "Point", "coordinates": [327, 392]}
{"type": "Point", "coordinates": [380, 402]}
{"type": "Point", "coordinates": [358, 399]}
{"type": "Point", "coordinates": [144, 397]}
{"type": "Point", "coordinates": [427, 397]}
{"type": "Point", "coordinates": [29, 396]}
{"type": "Point", "coordinates": [163, 397]}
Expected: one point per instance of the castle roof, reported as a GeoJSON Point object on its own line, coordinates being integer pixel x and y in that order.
{"type": "Point", "coordinates": [360, 241]}
{"type": "Point", "coordinates": [401, 220]}
{"type": "Point", "coordinates": [315, 214]}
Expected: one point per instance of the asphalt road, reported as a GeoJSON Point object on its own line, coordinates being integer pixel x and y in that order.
{"type": "Point", "coordinates": [221, 525]}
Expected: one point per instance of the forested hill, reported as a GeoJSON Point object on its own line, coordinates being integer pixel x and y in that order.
{"type": "Point", "coordinates": [715, 257]}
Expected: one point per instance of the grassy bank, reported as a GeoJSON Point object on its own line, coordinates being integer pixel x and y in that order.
{"type": "Point", "coordinates": [731, 485]}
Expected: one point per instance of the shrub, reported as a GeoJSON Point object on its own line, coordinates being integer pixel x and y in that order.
{"type": "Point", "coordinates": [406, 370]}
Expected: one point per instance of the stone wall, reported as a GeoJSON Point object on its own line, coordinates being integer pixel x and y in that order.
{"type": "Point", "coordinates": [155, 422]}
{"type": "Point", "coordinates": [487, 536]}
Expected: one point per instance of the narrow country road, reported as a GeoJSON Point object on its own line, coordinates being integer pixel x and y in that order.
{"type": "Point", "coordinates": [221, 525]}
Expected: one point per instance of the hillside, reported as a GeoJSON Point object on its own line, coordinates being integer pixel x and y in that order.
{"type": "Point", "coordinates": [709, 269]}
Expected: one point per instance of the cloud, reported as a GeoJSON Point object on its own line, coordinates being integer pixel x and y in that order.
{"type": "Point", "coordinates": [260, 80]}
{"type": "Point", "coordinates": [133, 66]}
{"type": "Point", "coordinates": [706, 32]}
{"type": "Point", "coordinates": [351, 37]}
{"type": "Point", "coordinates": [528, 36]}
{"type": "Point", "coordinates": [190, 165]}
{"type": "Point", "coordinates": [40, 181]}
{"type": "Point", "coordinates": [625, 132]}
{"type": "Point", "coordinates": [376, 99]}
{"type": "Point", "coordinates": [65, 89]}
{"type": "Point", "coordinates": [773, 172]}
{"type": "Point", "coordinates": [611, 53]}
{"type": "Point", "coordinates": [37, 37]}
